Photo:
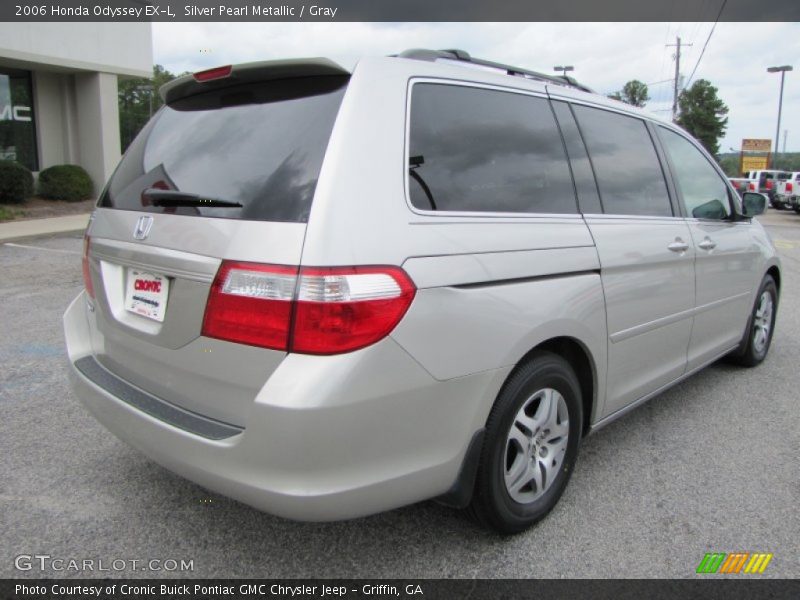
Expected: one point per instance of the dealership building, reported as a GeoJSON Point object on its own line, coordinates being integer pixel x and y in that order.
{"type": "Point", "coordinates": [58, 91]}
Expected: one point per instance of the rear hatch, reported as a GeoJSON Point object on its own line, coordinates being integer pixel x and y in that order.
{"type": "Point", "coordinates": [226, 170]}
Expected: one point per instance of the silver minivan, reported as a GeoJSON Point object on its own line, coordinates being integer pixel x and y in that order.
{"type": "Point", "coordinates": [329, 293]}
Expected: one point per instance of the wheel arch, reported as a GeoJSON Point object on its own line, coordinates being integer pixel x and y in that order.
{"type": "Point", "coordinates": [775, 273]}
{"type": "Point", "coordinates": [577, 354]}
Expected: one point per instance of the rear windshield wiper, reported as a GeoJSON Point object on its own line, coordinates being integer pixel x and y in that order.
{"type": "Point", "coordinates": [175, 198]}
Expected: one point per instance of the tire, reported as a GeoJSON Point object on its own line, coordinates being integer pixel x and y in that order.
{"type": "Point", "coordinates": [796, 209]}
{"type": "Point", "coordinates": [760, 327]}
{"type": "Point", "coordinates": [522, 439]}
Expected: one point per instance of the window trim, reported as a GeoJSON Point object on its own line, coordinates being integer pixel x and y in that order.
{"type": "Point", "coordinates": [489, 215]}
{"type": "Point", "coordinates": [732, 207]}
{"type": "Point", "coordinates": [582, 142]}
{"type": "Point", "coordinates": [663, 158]}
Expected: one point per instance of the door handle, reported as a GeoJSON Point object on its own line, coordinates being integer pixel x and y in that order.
{"type": "Point", "coordinates": [707, 244]}
{"type": "Point", "coordinates": [678, 245]}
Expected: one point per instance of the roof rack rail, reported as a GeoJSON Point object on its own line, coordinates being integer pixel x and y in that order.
{"type": "Point", "coordinates": [462, 56]}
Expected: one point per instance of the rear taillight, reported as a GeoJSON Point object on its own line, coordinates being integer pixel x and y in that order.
{"type": "Point", "coordinates": [769, 184]}
{"type": "Point", "coordinates": [789, 187]}
{"type": "Point", "coordinates": [87, 274]}
{"type": "Point", "coordinates": [343, 309]}
{"type": "Point", "coordinates": [252, 304]}
{"type": "Point", "coordinates": [751, 186]}
{"type": "Point", "coordinates": [314, 311]}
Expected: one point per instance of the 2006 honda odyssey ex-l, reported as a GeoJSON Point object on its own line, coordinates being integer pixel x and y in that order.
{"type": "Point", "coordinates": [330, 293]}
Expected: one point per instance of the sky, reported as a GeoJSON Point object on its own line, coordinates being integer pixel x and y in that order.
{"type": "Point", "coordinates": [605, 56]}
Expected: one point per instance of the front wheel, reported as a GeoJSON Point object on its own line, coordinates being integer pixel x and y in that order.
{"type": "Point", "coordinates": [758, 337]}
{"type": "Point", "coordinates": [531, 443]}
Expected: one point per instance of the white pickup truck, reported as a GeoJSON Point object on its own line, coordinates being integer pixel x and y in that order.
{"type": "Point", "coordinates": [766, 182]}
{"type": "Point", "coordinates": [787, 192]}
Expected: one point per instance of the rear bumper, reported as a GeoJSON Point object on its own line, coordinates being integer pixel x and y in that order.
{"type": "Point", "coordinates": [326, 438]}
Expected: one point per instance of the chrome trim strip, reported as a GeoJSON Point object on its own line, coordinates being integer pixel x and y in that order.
{"type": "Point", "coordinates": [175, 263]}
{"type": "Point", "coordinates": [669, 319]}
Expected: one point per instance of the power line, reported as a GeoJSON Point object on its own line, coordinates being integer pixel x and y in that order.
{"type": "Point", "coordinates": [703, 51]}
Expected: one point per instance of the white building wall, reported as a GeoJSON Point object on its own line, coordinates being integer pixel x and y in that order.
{"type": "Point", "coordinates": [48, 110]}
{"type": "Point", "coordinates": [74, 68]}
{"type": "Point", "coordinates": [98, 124]}
{"type": "Point", "coordinates": [121, 48]}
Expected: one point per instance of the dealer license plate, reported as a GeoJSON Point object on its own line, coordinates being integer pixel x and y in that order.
{"type": "Point", "coordinates": [146, 294]}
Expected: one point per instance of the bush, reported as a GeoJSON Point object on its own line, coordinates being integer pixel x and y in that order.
{"type": "Point", "coordinates": [16, 182]}
{"type": "Point", "coordinates": [65, 182]}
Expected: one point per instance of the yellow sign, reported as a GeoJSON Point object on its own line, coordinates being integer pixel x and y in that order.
{"type": "Point", "coordinates": [754, 163]}
{"type": "Point", "coordinates": [756, 145]}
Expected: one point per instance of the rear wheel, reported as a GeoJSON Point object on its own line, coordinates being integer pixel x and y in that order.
{"type": "Point", "coordinates": [531, 443]}
{"type": "Point", "coordinates": [758, 337]}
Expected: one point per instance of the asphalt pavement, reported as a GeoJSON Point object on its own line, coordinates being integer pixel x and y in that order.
{"type": "Point", "coordinates": [709, 466]}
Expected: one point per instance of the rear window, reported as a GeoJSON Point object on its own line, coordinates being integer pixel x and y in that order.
{"type": "Point", "coordinates": [259, 146]}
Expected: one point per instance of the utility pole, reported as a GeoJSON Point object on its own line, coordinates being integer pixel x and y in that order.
{"type": "Point", "coordinates": [782, 70]}
{"type": "Point", "coordinates": [677, 45]}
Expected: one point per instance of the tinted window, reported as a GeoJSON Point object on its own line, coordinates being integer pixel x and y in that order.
{"type": "Point", "coordinates": [588, 199]}
{"type": "Point", "coordinates": [259, 145]}
{"type": "Point", "coordinates": [704, 193]}
{"type": "Point", "coordinates": [483, 150]}
{"type": "Point", "coordinates": [625, 163]}
{"type": "Point", "coordinates": [17, 120]}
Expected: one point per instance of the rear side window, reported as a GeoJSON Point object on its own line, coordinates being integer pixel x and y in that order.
{"type": "Point", "coordinates": [625, 162]}
{"type": "Point", "coordinates": [259, 146]}
{"type": "Point", "coordinates": [481, 150]}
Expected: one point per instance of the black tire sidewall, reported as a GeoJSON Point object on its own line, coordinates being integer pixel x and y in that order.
{"type": "Point", "coordinates": [751, 354]}
{"type": "Point", "coordinates": [547, 371]}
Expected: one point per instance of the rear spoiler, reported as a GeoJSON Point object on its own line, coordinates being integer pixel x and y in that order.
{"type": "Point", "coordinates": [189, 85]}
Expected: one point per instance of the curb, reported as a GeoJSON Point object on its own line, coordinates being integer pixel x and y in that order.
{"type": "Point", "coordinates": [13, 230]}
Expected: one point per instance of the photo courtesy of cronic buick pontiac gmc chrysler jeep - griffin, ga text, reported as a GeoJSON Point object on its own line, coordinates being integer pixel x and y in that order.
{"type": "Point", "coordinates": [329, 293]}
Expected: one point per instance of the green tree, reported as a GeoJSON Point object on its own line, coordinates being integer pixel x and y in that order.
{"type": "Point", "coordinates": [135, 98]}
{"type": "Point", "coordinates": [702, 113]}
{"type": "Point", "coordinates": [634, 93]}
{"type": "Point", "coordinates": [729, 164]}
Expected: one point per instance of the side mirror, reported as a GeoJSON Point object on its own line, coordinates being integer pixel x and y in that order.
{"type": "Point", "coordinates": [753, 204]}
{"type": "Point", "coordinates": [713, 209]}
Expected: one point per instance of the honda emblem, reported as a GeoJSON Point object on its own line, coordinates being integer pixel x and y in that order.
{"type": "Point", "coordinates": [143, 226]}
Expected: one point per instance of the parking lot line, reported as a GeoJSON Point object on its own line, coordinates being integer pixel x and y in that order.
{"type": "Point", "coordinates": [40, 248]}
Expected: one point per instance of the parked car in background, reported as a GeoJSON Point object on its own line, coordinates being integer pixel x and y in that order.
{"type": "Point", "coordinates": [329, 293]}
{"type": "Point", "coordinates": [740, 184]}
{"type": "Point", "coordinates": [766, 182]}
{"type": "Point", "coordinates": [787, 193]}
